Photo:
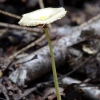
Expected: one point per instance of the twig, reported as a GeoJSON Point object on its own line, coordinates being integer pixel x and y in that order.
{"type": "Point", "coordinates": [45, 84]}
{"type": "Point", "coordinates": [34, 89]}
{"type": "Point", "coordinates": [88, 22]}
{"type": "Point", "coordinates": [4, 91]}
{"type": "Point", "coordinates": [69, 73]}
{"type": "Point", "coordinates": [41, 3]}
{"type": "Point", "coordinates": [30, 91]}
{"type": "Point", "coordinates": [19, 27]}
{"type": "Point", "coordinates": [9, 14]}
{"type": "Point", "coordinates": [27, 47]}
{"type": "Point", "coordinates": [15, 26]}
{"type": "Point", "coordinates": [27, 93]}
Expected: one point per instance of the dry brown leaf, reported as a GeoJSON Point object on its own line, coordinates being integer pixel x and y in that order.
{"type": "Point", "coordinates": [50, 93]}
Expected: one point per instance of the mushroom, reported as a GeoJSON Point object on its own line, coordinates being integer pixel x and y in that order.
{"type": "Point", "coordinates": [43, 17]}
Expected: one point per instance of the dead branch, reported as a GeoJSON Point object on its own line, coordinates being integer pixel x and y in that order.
{"type": "Point", "coordinates": [15, 26]}
{"type": "Point", "coordinates": [9, 14]}
{"type": "Point", "coordinates": [76, 68]}
{"type": "Point", "coordinates": [38, 30]}
{"type": "Point", "coordinates": [27, 47]}
{"type": "Point", "coordinates": [41, 3]}
{"type": "Point", "coordinates": [27, 92]}
{"type": "Point", "coordinates": [38, 63]}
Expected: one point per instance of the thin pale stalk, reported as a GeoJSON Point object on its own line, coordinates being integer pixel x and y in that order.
{"type": "Point", "coordinates": [53, 64]}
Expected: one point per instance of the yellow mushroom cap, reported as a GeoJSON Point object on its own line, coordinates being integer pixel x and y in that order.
{"type": "Point", "coordinates": [42, 16]}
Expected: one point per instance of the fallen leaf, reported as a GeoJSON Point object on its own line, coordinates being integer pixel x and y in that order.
{"type": "Point", "coordinates": [50, 93]}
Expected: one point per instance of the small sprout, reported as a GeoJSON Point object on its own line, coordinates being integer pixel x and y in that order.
{"type": "Point", "coordinates": [44, 17]}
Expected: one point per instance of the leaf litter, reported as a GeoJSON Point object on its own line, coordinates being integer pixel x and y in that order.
{"type": "Point", "coordinates": [78, 53]}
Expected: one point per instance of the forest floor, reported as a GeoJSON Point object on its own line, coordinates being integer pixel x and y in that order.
{"type": "Point", "coordinates": [76, 42]}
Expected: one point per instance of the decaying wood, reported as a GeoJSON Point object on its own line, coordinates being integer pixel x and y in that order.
{"type": "Point", "coordinates": [38, 63]}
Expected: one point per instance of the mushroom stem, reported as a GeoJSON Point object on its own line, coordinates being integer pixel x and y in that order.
{"type": "Point", "coordinates": [53, 63]}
